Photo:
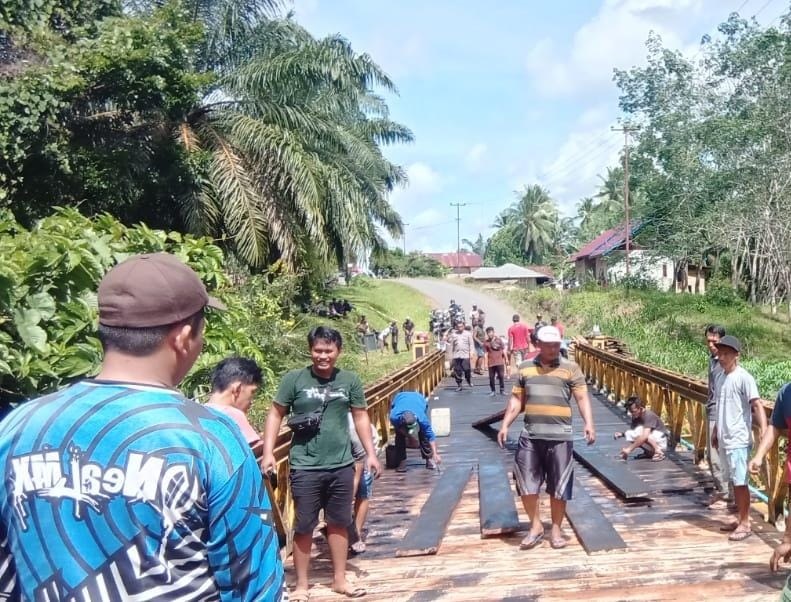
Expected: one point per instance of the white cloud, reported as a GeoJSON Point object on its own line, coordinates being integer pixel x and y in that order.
{"type": "Point", "coordinates": [475, 159]}
{"type": "Point", "coordinates": [423, 183]}
{"type": "Point", "coordinates": [614, 38]}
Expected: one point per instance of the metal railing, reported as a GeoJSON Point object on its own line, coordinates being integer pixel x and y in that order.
{"type": "Point", "coordinates": [422, 375]}
{"type": "Point", "coordinates": [681, 402]}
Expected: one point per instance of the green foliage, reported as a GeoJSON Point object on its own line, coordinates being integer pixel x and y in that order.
{"type": "Point", "coordinates": [48, 281]}
{"type": "Point", "coordinates": [666, 329]}
{"type": "Point", "coordinates": [722, 294]}
{"type": "Point", "coordinates": [392, 263]}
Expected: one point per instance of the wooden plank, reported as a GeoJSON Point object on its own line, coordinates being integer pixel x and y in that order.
{"type": "Point", "coordinates": [428, 529]}
{"type": "Point", "coordinates": [613, 472]}
{"type": "Point", "coordinates": [594, 531]}
{"type": "Point", "coordinates": [489, 420]}
{"type": "Point", "coordinates": [496, 501]}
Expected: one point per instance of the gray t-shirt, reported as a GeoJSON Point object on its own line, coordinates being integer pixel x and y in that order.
{"type": "Point", "coordinates": [734, 413]}
{"type": "Point", "coordinates": [461, 344]}
{"type": "Point", "coordinates": [715, 371]}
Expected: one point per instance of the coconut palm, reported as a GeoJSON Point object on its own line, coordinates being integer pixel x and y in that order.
{"type": "Point", "coordinates": [478, 246]}
{"type": "Point", "coordinates": [585, 212]}
{"type": "Point", "coordinates": [610, 193]}
{"type": "Point", "coordinates": [533, 222]}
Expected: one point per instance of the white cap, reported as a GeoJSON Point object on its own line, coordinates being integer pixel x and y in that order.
{"type": "Point", "coordinates": [549, 334]}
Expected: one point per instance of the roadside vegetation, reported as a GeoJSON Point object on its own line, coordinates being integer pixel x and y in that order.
{"type": "Point", "coordinates": [666, 329]}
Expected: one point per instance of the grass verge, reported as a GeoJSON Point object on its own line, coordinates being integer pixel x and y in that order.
{"type": "Point", "coordinates": [667, 329]}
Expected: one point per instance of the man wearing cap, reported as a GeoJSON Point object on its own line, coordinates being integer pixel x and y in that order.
{"type": "Point", "coordinates": [737, 401]}
{"type": "Point", "coordinates": [462, 347]}
{"type": "Point", "coordinates": [722, 490]}
{"type": "Point", "coordinates": [545, 387]}
{"type": "Point", "coordinates": [119, 487]}
{"type": "Point", "coordinates": [409, 417]}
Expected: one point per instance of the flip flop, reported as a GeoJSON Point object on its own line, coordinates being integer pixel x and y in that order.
{"type": "Point", "coordinates": [531, 541]}
{"type": "Point", "coordinates": [729, 528]}
{"type": "Point", "coordinates": [357, 592]}
{"type": "Point", "coordinates": [559, 543]}
{"type": "Point", "coordinates": [658, 457]}
{"type": "Point", "coordinates": [299, 596]}
{"type": "Point", "coordinates": [739, 535]}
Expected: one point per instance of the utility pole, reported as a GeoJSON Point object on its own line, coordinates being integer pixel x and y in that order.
{"type": "Point", "coordinates": [458, 233]}
{"type": "Point", "coordinates": [626, 129]}
{"type": "Point", "coordinates": [405, 225]}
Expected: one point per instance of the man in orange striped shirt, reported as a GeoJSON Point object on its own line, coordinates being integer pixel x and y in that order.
{"type": "Point", "coordinates": [544, 390]}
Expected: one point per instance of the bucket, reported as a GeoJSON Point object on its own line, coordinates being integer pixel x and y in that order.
{"type": "Point", "coordinates": [440, 421]}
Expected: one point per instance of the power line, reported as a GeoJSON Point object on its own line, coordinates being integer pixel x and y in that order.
{"type": "Point", "coordinates": [626, 129]}
{"type": "Point", "coordinates": [458, 233]}
{"type": "Point", "coordinates": [760, 10]}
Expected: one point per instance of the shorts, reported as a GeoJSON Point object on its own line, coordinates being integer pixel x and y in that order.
{"type": "Point", "coordinates": [329, 489]}
{"type": "Point", "coordinates": [519, 355]}
{"type": "Point", "coordinates": [479, 351]}
{"type": "Point", "coordinates": [539, 461]}
{"type": "Point", "coordinates": [734, 465]}
{"type": "Point", "coordinates": [656, 436]}
{"type": "Point", "coordinates": [366, 487]}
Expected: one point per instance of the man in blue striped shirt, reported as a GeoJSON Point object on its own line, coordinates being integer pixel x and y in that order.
{"type": "Point", "coordinates": [119, 487]}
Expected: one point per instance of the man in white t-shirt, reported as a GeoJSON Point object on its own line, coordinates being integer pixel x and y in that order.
{"type": "Point", "coordinates": [234, 383]}
{"type": "Point", "coordinates": [737, 402]}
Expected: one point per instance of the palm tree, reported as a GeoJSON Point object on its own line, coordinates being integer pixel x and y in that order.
{"type": "Point", "coordinates": [533, 220]}
{"type": "Point", "coordinates": [585, 212]}
{"type": "Point", "coordinates": [478, 246]}
{"type": "Point", "coordinates": [610, 193]}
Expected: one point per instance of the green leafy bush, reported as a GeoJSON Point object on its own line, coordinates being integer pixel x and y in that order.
{"type": "Point", "coordinates": [48, 313]}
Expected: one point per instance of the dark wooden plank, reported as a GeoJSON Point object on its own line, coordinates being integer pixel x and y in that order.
{"type": "Point", "coordinates": [613, 472]}
{"type": "Point", "coordinates": [594, 531]}
{"type": "Point", "coordinates": [489, 420]}
{"type": "Point", "coordinates": [496, 501]}
{"type": "Point", "coordinates": [428, 529]}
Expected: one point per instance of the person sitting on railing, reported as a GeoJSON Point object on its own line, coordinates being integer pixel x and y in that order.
{"type": "Point", "coordinates": [647, 432]}
{"type": "Point", "coordinates": [409, 417]}
{"type": "Point", "coordinates": [780, 422]}
{"type": "Point", "coordinates": [234, 383]}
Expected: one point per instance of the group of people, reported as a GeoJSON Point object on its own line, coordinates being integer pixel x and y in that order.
{"type": "Point", "coordinates": [388, 337]}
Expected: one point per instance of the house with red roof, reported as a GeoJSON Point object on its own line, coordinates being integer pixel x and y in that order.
{"type": "Point", "coordinates": [603, 259]}
{"type": "Point", "coordinates": [458, 263]}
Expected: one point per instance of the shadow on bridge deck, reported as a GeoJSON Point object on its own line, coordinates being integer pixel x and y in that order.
{"type": "Point", "coordinates": [675, 550]}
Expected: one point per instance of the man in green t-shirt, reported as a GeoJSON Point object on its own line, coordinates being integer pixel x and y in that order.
{"type": "Point", "coordinates": [322, 465]}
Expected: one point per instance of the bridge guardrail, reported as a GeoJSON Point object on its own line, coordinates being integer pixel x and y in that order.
{"type": "Point", "coordinates": [680, 401]}
{"type": "Point", "coordinates": [422, 375]}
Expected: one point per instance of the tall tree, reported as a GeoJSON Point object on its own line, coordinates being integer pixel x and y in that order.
{"type": "Point", "coordinates": [478, 246]}
{"type": "Point", "coordinates": [532, 221]}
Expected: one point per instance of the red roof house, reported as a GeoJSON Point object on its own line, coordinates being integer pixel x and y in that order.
{"type": "Point", "coordinates": [458, 263]}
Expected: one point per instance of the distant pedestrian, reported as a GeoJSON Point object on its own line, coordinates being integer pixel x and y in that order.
{"type": "Point", "coordinates": [462, 353]}
{"type": "Point", "coordinates": [737, 401]}
{"type": "Point", "coordinates": [545, 452]}
{"type": "Point", "coordinates": [394, 336]}
{"type": "Point", "coordinates": [536, 327]}
{"type": "Point", "coordinates": [722, 491]}
{"type": "Point", "coordinates": [383, 344]}
{"type": "Point", "coordinates": [518, 340]}
{"type": "Point", "coordinates": [780, 422]}
{"type": "Point", "coordinates": [409, 332]}
{"type": "Point", "coordinates": [479, 336]}
{"type": "Point", "coordinates": [557, 324]}
{"type": "Point", "coordinates": [474, 314]}
{"type": "Point", "coordinates": [496, 359]}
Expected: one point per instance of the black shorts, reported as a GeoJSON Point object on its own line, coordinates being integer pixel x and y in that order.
{"type": "Point", "coordinates": [331, 489]}
{"type": "Point", "coordinates": [539, 461]}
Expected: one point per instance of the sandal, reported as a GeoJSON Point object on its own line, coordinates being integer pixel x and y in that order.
{"type": "Point", "coordinates": [357, 592]}
{"type": "Point", "coordinates": [658, 457]}
{"type": "Point", "coordinates": [558, 543]}
{"type": "Point", "coordinates": [299, 596]}
{"type": "Point", "coordinates": [530, 541]}
{"type": "Point", "coordinates": [739, 535]}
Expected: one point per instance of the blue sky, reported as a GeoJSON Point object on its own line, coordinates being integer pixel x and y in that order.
{"type": "Point", "coordinates": [509, 94]}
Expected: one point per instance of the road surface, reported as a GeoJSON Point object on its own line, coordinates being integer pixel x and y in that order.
{"type": "Point", "coordinates": [498, 312]}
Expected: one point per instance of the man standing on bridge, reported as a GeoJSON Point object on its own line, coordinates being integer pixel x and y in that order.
{"type": "Point", "coordinates": [714, 332]}
{"type": "Point", "coordinates": [544, 454]}
{"type": "Point", "coordinates": [463, 353]}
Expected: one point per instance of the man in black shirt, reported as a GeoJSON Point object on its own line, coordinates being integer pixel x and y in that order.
{"type": "Point", "coordinates": [647, 432]}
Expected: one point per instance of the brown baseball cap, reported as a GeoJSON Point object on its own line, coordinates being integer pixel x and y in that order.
{"type": "Point", "coordinates": [151, 290]}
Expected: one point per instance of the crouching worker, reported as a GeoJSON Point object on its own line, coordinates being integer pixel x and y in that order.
{"type": "Point", "coordinates": [409, 417]}
{"type": "Point", "coordinates": [647, 432]}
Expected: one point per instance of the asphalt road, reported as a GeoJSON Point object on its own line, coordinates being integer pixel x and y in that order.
{"type": "Point", "coordinates": [498, 312]}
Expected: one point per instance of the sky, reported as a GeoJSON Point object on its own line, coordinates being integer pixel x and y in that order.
{"type": "Point", "coordinates": [509, 94]}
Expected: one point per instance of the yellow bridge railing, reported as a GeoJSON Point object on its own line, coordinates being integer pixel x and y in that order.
{"type": "Point", "coordinates": [422, 375]}
{"type": "Point", "coordinates": [680, 401]}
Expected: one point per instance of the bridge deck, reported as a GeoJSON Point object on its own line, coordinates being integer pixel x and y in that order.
{"type": "Point", "coordinates": [675, 550]}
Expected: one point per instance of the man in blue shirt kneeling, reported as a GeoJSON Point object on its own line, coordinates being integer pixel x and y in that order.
{"type": "Point", "coordinates": [409, 417]}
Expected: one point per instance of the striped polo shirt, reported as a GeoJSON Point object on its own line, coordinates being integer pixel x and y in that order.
{"type": "Point", "coordinates": [546, 393]}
